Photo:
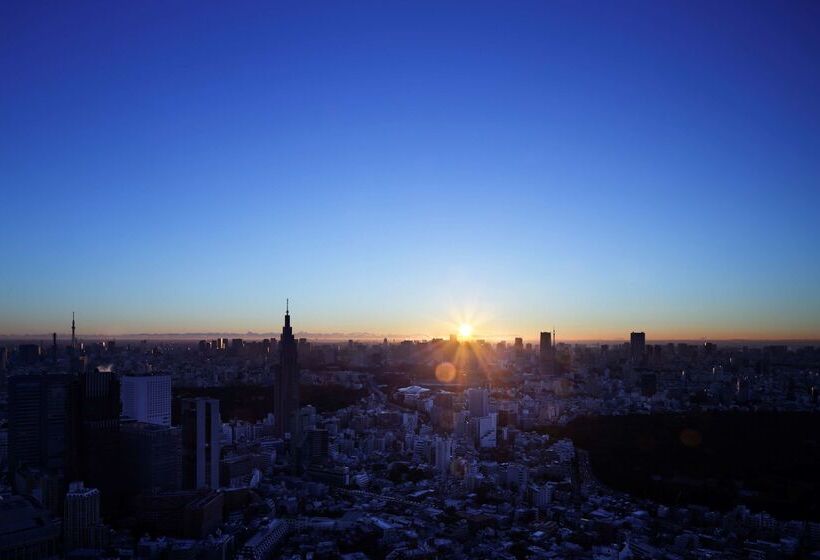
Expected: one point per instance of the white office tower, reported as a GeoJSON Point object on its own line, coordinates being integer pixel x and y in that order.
{"type": "Point", "coordinates": [81, 517]}
{"type": "Point", "coordinates": [147, 398]}
{"type": "Point", "coordinates": [478, 402]}
{"type": "Point", "coordinates": [486, 430]}
{"type": "Point", "coordinates": [444, 454]}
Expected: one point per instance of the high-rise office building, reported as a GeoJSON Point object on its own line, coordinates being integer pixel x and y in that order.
{"type": "Point", "coordinates": [442, 413]}
{"type": "Point", "coordinates": [147, 398]}
{"type": "Point", "coordinates": [100, 407]}
{"type": "Point", "coordinates": [81, 517]}
{"type": "Point", "coordinates": [151, 457]}
{"type": "Point", "coordinates": [637, 344]}
{"type": "Point", "coordinates": [286, 397]}
{"type": "Point", "coordinates": [201, 433]}
{"type": "Point", "coordinates": [444, 453]}
{"type": "Point", "coordinates": [478, 402]}
{"type": "Point", "coordinates": [43, 423]}
{"type": "Point", "coordinates": [486, 430]}
{"type": "Point", "coordinates": [472, 370]}
{"type": "Point", "coordinates": [546, 352]}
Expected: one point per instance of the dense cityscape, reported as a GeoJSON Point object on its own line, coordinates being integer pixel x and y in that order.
{"type": "Point", "coordinates": [355, 280]}
{"type": "Point", "coordinates": [442, 448]}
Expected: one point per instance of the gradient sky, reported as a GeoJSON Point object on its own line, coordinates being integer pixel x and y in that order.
{"type": "Point", "coordinates": [393, 167]}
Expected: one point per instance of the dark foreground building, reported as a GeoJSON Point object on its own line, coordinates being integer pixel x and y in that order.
{"type": "Point", "coordinates": [286, 397]}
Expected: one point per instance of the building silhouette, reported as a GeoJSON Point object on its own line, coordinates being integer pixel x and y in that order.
{"type": "Point", "coordinates": [151, 457]}
{"type": "Point", "coordinates": [43, 423]}
{"type": "Point", "coordinates": [478, 402]}
{"type": "Point", "coordinates": [81, 517]}
{"type": "Point", "coordinates": [316, 445]}
{"type": "Point", "coordinates": [201, 433]}
{"type": "Point", "coordinates": [99, 411]}
{"type": "Point", "coordinates": [443, 454]}
{"type": "Point", "coordinates": [546, 354]}
{"type": "Point", "coordinates": [637, 345]}
{"type": "Point", "coordinates": [286, 397]}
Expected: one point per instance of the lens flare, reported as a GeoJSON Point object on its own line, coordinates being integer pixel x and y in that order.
{"type": "Point", "coordinates": [445, 372]}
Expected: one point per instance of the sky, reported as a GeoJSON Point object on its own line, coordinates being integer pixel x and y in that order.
{"type": "Point", "coordinates": [401, 167]}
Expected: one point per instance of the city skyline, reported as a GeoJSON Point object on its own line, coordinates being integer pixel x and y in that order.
{"type": "Point", "coordinates": [388, 167]}
{"type": "Point", "coordinates": [464, 330]}
{"type": "Point", "coordinates": [410, 280]}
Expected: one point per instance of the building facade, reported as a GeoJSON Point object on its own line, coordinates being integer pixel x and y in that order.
{"type": "Point", "coordinates": [201, 433]}
{"type": "Point", "coordinates": [147, 398]}
{"type": "Point", "coordinates": [286, 393]}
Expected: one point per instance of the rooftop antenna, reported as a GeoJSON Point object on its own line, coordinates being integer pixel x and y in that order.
{"type": "Point", "coordinates": [287, 306]}
{"type": "Point", "coordinates": [73, 326]}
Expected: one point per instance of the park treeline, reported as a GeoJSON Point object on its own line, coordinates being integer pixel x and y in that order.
{"type": "Point", "coordinates": [766, 460]}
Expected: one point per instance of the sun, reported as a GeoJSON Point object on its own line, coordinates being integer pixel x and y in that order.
{"type": "Point", "coordinates": [465, 331]}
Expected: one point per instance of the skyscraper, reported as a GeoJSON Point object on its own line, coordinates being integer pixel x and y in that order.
{"type": "Point", "coordinates": [42, 423]}
{"type": "Point", "coordinates": [444, 453]}
{"type": "Point", "coordinates": [99, 411]}
{"type": "Point", "coordinates": [81, 517]}
{"type": "Point", "coordinates": [472, 369]}
{"type": "Point", "coordinates": [478, 402]}
{"type": "Point", "coordinates": [442, 413]}
{"type": "Point", "coordinates": [637, 345]}
{"type": "Point", "coordinates": [286, 396]}
{"type": "Point", "coordinates": [147, 398]}
{"type": "Point", "coordinates": [486, 430]}
{"type": "Point", "coordinates": [151, 457]}
{"type": "Point", "coordinates": [546, 352]}
{"type": "Point", "coordinates": [201, 433]}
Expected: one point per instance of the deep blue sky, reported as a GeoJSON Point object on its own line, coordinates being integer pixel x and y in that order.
{"type": "Point", "coordinates": [392, 167]}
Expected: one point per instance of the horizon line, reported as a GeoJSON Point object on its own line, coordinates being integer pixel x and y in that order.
{"type": "Point", "coordinates": [392, 337]}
